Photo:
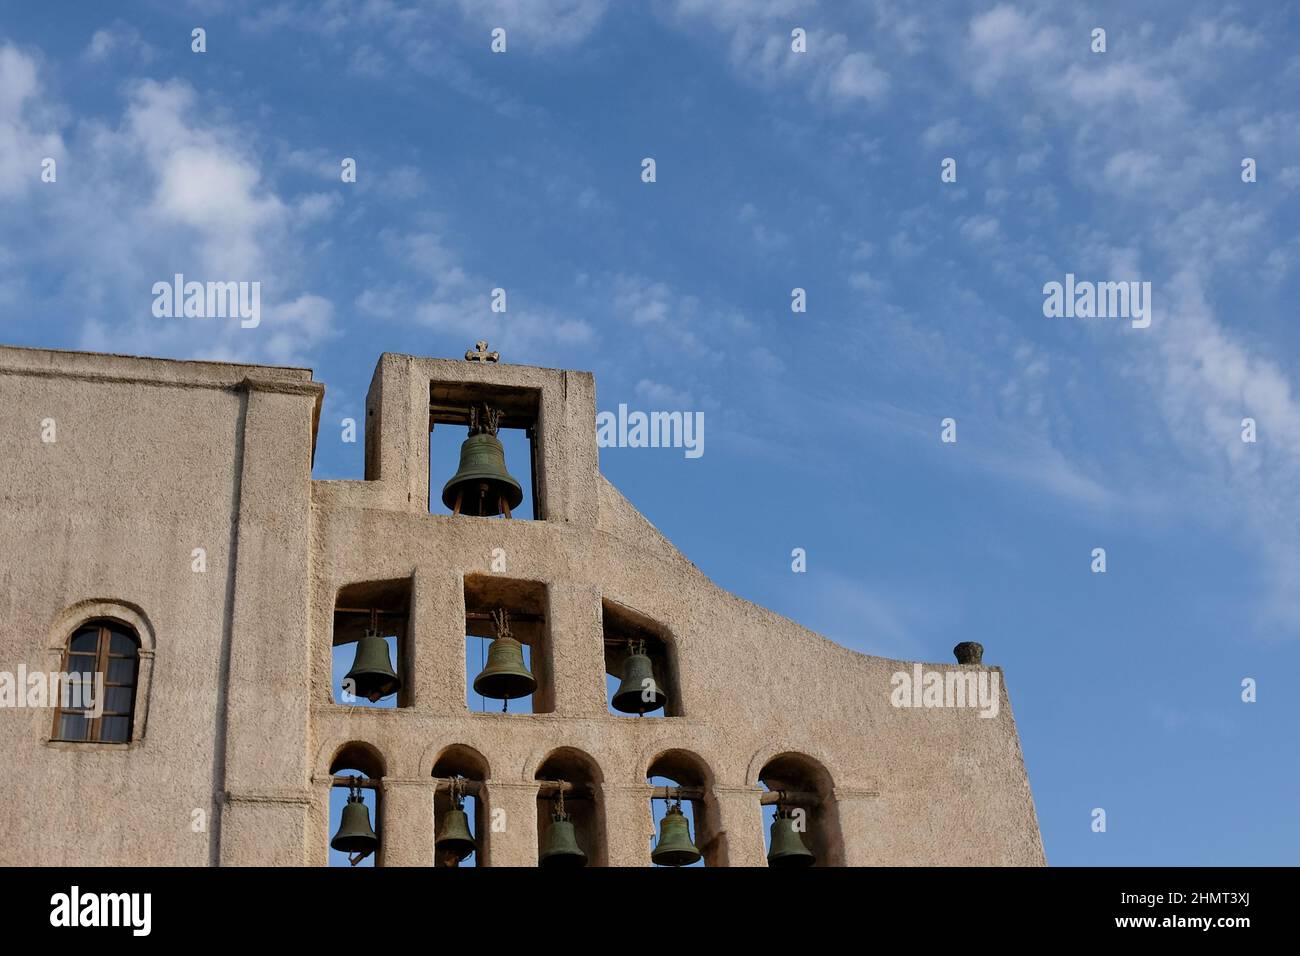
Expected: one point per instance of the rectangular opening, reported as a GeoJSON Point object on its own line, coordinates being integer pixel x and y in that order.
{"type": "Point", "coordinates": [525, 605]}
{"type": "Point", "coordinates": [626, 632]}
{"type": "Point", "coordinates": [387, 606]}
{"type": "Point", "coordinates": [449, 421]}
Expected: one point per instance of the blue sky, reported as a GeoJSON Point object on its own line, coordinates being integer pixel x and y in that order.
{"type": "Point", "coordinates": [778, 170]}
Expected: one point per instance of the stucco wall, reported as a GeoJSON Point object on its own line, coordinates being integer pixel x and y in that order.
{"type": "Point", "coordinates": [147, 465]}
{"type": "Point", "coordinates": [926, 786]}
{"type": "Point", "coordinates": [156, 458]}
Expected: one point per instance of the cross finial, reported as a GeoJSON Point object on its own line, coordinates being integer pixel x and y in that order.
{"type": "Point", "coordinates": [480, 353]}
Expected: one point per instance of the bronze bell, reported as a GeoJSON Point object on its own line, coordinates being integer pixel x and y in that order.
{"type": "Point", "coordinates": [675, 847]}
{"type": "Point", "coordinates": [372, 673]}
{"type": "Point", "coordinates": [454, 839]}
{"type": "Point", "coordinates": [355, 834]}
{"type": "Point", "coordinates": [639, 693]}
{"type": "Point", "coordinates": [505, 676]}
{"type": "Point", "coordinates": [562, 850]}
{"type": "Point", "coordinates": [481, 485]}
{"type": "Point", "coordinates": [787, 847]}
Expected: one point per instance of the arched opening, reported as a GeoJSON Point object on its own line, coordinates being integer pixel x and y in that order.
{"type": "Point", "coordinates": [800, 792]}
{"type": "Point", "coordinates": [678, 775]}
{"type": "Point", "coordinates": [462, 775]}
{"type": "Point", "coordinates": [94, 694]}
{"type": "Point", "coordinates": [358, 772]}
{"type": "Point", "coordinates": [570, 783]}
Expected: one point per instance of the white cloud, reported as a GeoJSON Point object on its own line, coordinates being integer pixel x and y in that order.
{"type": "Point", "coordinates": [1132, 126]}
{"type": "Point", "coordinates": [943, 134]}
{"type": "Point", "coordinates": [23, 143]}
{"type": "Point", "coordinates": [664, 397]}
{"type": "Point", "coordinates": [856, 77]}
{"type": "Point", "coordinates": [165, 190]}
{"type": "Point", "coordinates": [536, 25]}
{"type": "Point", "coordinates": [759, 48]}
{"type": "Point", "coordinates": [1003, 42]}
{"type": "Point", "coordinates": [118, 43]}
{"type": "Point", "coordinates": [979, 228]}
{"type": "Point", "coordinates": [442, 294]}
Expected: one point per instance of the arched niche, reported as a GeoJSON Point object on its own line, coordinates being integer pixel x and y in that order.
{"type": "Point", "coordinates": [356, 758]}
{"type": "Point", "coordinates": [584, 802]}
{"type": "Point", "coordinates": [686, 770]}
{"type": "Point", "coordinates": [811, 789]}
{"type": "Point", "coordinates": [463, 761]}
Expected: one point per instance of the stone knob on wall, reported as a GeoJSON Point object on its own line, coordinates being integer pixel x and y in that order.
{"type": "Point", "coordinates": [969, 652]}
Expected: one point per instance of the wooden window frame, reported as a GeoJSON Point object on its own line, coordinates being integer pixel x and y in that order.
{"type": "Point", "coordinates": [103, 655]}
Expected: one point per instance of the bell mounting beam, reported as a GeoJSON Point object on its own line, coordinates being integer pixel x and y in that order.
{"type": "Point", "coordinates": [515, 616]}
{"type": "Point", "coordinates": [797, 798]}
{"type": "Point", "coordinates": [551, 789]}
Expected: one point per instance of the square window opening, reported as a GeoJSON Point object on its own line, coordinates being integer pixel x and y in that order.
{"type": "Point", "coordinates": [640, 664]}
{"type": "Point", "coordinates": [494, 472]}
{"type": "Point", "coordinates": [511, 675]}
{"type": "Point", "coordinates": [370, 657]}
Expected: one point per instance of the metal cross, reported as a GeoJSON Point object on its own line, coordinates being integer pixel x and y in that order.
{"type": "Point", "coordinates": [480, 354]}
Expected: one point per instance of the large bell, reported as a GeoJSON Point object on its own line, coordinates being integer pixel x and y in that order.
{"type": "Point", "coordinates": [562, 850]}
{"type": "Point", "coordinates": [482, 483]}
{"type": "Point", "coordinates": [355, 834]}
{"type": "Point", "coordinates": [787, 847]}
{"type": "Point", "coordinates": [638, 694]}
{"type": "Point", "coordinates": [454, 839]}
{"type": "Point", "coordinates": [372, 673]}
{"type": "Point", "coordinates": [675, 847]}
{"type": "Point", "coordinates": [505, 677]}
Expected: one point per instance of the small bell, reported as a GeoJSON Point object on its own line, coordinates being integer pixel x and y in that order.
{"type": "Point", "coordinates": [454, 840]}
{"type": "Point", "coordinates": [505, 676]}
{"type": "Point", "coordinates": [787, 847]}
{"type": "Point", "coordinates": [355, 835]}
{"type": "Point", "coordinates": [675, 847]}
{"type": "Point", "coordinates": [372, 673]}
{"type": "Point", "coordinates": [639, 693]}
{"type": "Point", "coordinates": [481, 485]}
{"type": "Point", "coordinates": [562, 850]}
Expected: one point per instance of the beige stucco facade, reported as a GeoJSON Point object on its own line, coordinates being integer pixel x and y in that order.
{"type": "Point", "coordinates": [236, 728]}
